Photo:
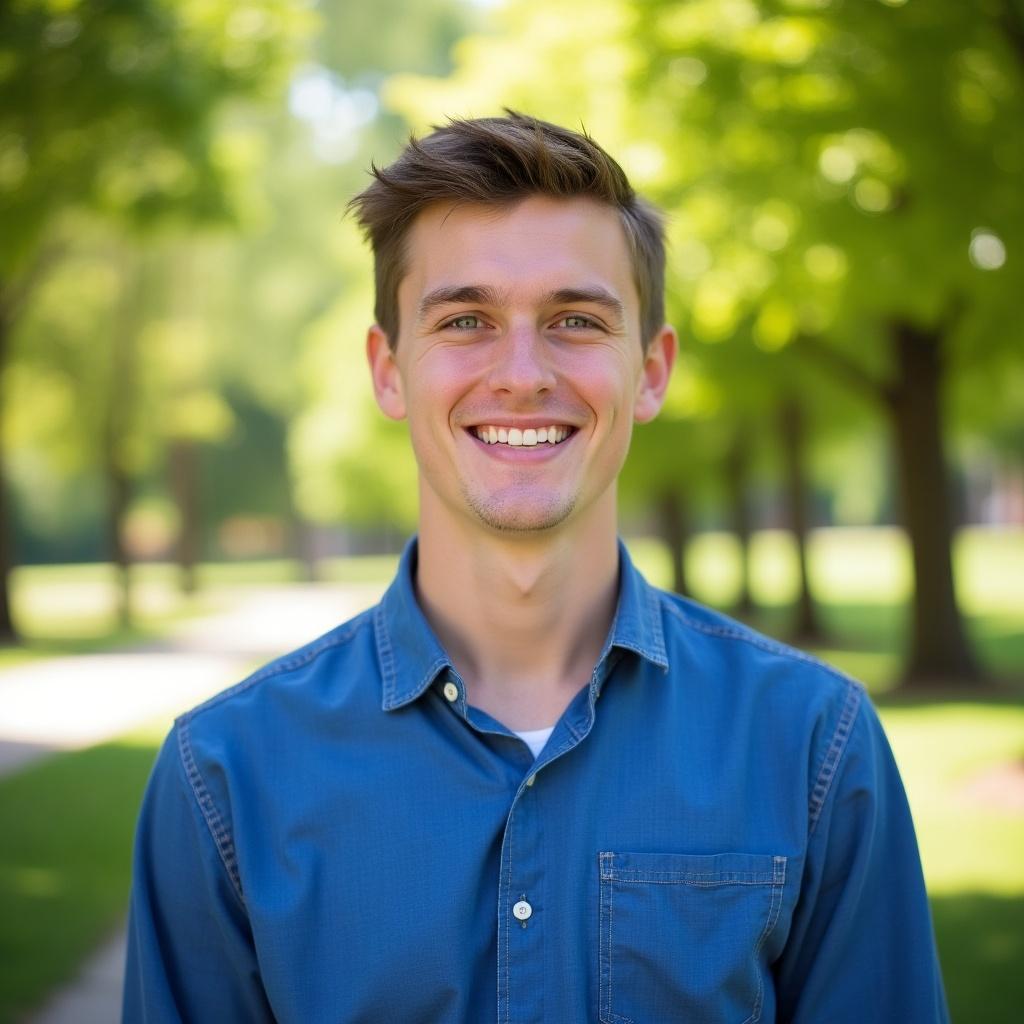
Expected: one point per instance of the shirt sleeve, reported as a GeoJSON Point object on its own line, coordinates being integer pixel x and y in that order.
{"type": "Point", "coordinates": [191, 956]}
{"type": "Point", "coordinates": [861, 945]}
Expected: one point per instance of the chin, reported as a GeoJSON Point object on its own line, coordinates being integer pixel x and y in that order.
{"type": "Point", "coordinates": [504, 517]}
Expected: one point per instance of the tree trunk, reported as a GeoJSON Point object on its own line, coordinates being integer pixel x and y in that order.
{"type": "Point", "coordinates": [674, 528]}
{"type": "Point", "coordinates": [118, 500]}
{"type": "Point", "coordinates": [8, 634]}
{"type": "Point", "coordinates": [939, 649]}
{"type": "Point", "coordinates": [119, 416]}
{"type": "Point", "coordinates": [737, 472]}
{"type": "Point", "coordinates": [184, 465]}
{"type": "Point", "coordinates": [793, 435]}
{"type": "Point", "coordinates": [300, 541]}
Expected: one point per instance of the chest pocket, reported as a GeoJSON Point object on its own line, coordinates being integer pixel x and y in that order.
{"type": "Point", "coordinates": [681, 935]}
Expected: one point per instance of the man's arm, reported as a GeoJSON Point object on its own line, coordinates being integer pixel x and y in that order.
{"type": "Point", "coordinates": [190, 950]}
{"type": "Point", "coordinates": [861, 945]}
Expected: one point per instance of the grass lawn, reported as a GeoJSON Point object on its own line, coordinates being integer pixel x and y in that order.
{"type": "Point", "coordinates": [972, 845]}
{"type": "Point", "coordinates": [66, 823]}
{"type": "Point", "coordinates": [66, 828]}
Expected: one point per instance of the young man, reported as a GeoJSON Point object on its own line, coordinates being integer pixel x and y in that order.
{"type": "Point", "coordinates": [527, 786]}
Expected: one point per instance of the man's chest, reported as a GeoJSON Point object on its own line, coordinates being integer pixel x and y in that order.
{"type": "Point", "coordinates": [619, 887]}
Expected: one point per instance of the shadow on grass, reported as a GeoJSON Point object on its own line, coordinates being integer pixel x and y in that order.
{"type": "Point", "coordinates": [66, 827]}
{"type": "Point", "coordinates": [981, 948]}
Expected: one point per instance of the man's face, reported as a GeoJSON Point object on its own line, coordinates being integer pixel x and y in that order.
{"type": "Point", "coordinates": [519, 362]}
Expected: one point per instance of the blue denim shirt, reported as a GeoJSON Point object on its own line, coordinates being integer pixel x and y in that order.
{"type": "Point", "coordinates": [715, 832]}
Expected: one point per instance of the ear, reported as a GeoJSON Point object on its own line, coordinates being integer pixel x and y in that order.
{"type": "Point", "coordinates": [659, 359]}
{"type": "Point", "coordinates": [387, 381]}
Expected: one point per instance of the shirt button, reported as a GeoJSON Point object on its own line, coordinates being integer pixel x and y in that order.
{"type": "Point", "coordinates": [451, 691]}
{"type": "Point", "coordinates": [531, 780]}
{"type": "Point", "coordinates": [522, 910]}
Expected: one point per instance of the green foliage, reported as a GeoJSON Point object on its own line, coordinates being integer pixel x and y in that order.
{"type": "Point", "coordinates": [111, 106]}
{"type": "Point", "coordinates": [363, 42]}
{"type": "Point", "coordinates": [827, 168]}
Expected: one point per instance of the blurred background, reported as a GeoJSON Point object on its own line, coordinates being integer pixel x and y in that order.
{"type": "Point", "coordinates": [194, 476]}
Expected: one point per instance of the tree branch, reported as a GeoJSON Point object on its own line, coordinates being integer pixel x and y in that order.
{"type": "Point", "coordinates": [840, 365]}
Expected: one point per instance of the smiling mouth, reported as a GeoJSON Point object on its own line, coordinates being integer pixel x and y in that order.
{"type": "Point", "coordinates": [513, 437]}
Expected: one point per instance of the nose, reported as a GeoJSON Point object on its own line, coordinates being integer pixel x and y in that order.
{"type": "Point", "coordinates": [522, 363]}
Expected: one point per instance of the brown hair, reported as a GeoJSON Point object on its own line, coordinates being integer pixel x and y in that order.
{"type": "Point", "coordinates": [497, 160]}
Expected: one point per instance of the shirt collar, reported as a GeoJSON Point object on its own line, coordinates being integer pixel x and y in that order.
{"type": "Point", "coordinates": [411, 657]}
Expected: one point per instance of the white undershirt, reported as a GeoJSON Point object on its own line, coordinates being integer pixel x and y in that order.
{"type": "Point", "coordinates": [535, 738]}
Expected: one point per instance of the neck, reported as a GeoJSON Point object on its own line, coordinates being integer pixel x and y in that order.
{"type": "Point", "coordinates": [522, 616]}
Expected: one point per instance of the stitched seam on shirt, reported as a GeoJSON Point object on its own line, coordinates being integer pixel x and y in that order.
{"type": "Point", "coordinates": [694, 882]}
{"type": "Point", "coordinates": [755, 640]}
{"type": "Point", "coordinates": [778, 883]}
{"type": "Point", "coordinates": [834, 755]}
{"type": "Point", "coordinates": [275, 668]}
{"type": "Point", "coordinates": [654, 613]}
{"type": "Point", "coordinates": [611, 945]}
{"type": "Point", "coordinates": [384, 653]}
{"type": "Point", "coordinates": [654, 874]}
{"type": "Point", "coordinates": [508, 914]}
{"type": "Point", "coordinates": [603, 951]}
{"type": "Point", "coordinates": [221, 836]}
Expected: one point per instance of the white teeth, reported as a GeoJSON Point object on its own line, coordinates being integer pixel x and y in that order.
{"type": "Point", "coordinates": [529, 437]}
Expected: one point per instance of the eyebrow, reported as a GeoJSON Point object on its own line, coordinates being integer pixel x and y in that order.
{"type": "Point", "coordinates": [487, 296]}
{"type": "Point", "coordinates": [447, 295]}
{"type": "Point", "coordinates": [588, 296]}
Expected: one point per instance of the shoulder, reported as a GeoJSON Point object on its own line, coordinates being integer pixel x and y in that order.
{"type": "Point", "coordinates": [704, 631]}
{"type": "Point", "coordinates": [332, 671]}
{"type": "Point", "coordinates": [798, 699]}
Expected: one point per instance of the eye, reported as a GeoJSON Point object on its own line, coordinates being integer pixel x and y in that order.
{"type": "Point", "coordinates": [466, 322]}
{"type": "Point", "coordinates": [576, 322]}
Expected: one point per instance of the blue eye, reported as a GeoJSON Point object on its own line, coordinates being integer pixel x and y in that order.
{"type": "Point", "coordinates": [465, 323]}
{"type": "Point", "coordinates": [577, 322]}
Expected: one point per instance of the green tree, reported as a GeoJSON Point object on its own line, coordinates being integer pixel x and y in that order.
{"type": "Point", "coordinates": [846, 176]}
{"type": "Point", "coordinates": [110, 107]}
{"type": "Point", "coordinates": [873, 150]}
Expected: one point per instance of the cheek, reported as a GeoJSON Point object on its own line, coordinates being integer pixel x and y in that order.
{"type": "Point", "coordinates": [606, 382]}
{"type": "Point", "coordinates": [432, 392]}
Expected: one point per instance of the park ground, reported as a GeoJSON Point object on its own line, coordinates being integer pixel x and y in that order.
{"type": "Point", "coordinates": [68, 802]}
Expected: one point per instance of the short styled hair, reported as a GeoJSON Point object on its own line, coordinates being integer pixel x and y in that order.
{"type": "Point", "coordinates": [500, 161]}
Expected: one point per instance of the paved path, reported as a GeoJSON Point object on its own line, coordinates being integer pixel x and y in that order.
{"type": "Point", "coordinates": [73, 702]}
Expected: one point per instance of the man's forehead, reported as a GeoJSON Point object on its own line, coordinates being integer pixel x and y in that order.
{"type": "Point", "coordinates": [579, 241]}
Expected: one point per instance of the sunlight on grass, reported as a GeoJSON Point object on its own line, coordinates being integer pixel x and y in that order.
{"type": "Point", "coordinates": [846, 566]}
{"type": "Point", "coordinates": [941, 749]}
{"type": "Point", "coordinates": [860, 580]}
{"type": "Point", "coordinates": [361, 569]}
{"type": "Point", "coordinates": [71, 609]}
